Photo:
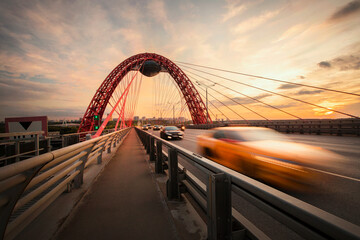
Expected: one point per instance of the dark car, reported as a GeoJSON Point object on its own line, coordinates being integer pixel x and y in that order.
{"type": "Point", "coordinates": [149, 126]}
{"type": "Point", "coordinates": [156, 127]}
{"type": "Point", "coordinates": [145, 127]}
{"type": "Point", "coordinates": [171, 132]}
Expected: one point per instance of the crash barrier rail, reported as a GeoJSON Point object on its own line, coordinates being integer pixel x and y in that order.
{"type": "Point", "coordinates": [65, 140]}
{"type": "Point", "coordinates": [23, 145]}
{"type": "Point", "coordinates": [18, 145]}
{"type": "Point", "coordinates": [215, 198]}
{"type": "Point", "coordinates": [347, 126]}
{"type": "Point", "coordinates": [30, 186]}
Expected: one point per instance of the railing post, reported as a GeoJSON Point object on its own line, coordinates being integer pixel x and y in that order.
{"type": "Point", "coordinates": [114, 141]}
{"type": "Point", "coordinates": [110, 140]}
{"type": "Point", "coordinates": [219, 207]}
{"type": "Point", "coordinates": [147, 144]}
{"type": "Point", "coordinates": [79, 179]}
{"type": "Point", "coordinates": [37, 143]}
{"type": "Point", "coordinates": [152, 149]}
{"type": "Point", "coordinates": [172, 183]}
{"type": "Point", "coordinates": [159, 162]}
{"type": "Point", "coordinates": [48, 145]}
{"type": "Point", "coordinates": [17, 150]}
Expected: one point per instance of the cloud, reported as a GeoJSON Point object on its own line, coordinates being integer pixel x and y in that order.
{"type": "Point", "coordinates": [158, 11]}
{"type": "Point", "coordinates": [288, 86]}
{"type": "Point", "coordinates": [346, 63]}
{"type": "Point", "coordinates": [254, 22]}
{"type": "Point", "coordinates": [324, 64]}
{"type": "Point", "coordinates": [233, 9]}
{"type": "Point", "coordinates": [242, 100]}
{"type": "Point", "coordinates": [343, 63]}
{"type": "Point", "coordinates": [292, 32]}
{"type": "Point", "coordinates": [348, 10]}
{"type": "Point", "coordinates": [307, 92]}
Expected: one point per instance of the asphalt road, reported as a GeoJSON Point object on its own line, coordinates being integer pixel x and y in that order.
{"type": "Point", "coordinates": [339, 190]}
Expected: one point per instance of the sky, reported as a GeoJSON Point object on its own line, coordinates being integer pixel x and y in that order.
{"type": "Point", "coordinates": [55, 54]}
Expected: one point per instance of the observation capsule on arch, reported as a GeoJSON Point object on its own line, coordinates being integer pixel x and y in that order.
{"type": "Point", "coordinates": [150, 68]}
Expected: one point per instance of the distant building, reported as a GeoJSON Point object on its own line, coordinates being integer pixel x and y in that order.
{"type": "Point", "coordinates": [136, 118]}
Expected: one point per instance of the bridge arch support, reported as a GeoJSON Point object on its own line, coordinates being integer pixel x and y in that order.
{"type": "Point", "coordinates": [102, 96]}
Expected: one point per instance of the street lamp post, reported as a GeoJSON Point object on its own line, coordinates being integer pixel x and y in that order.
{"type": "Point", "coordinates": [206, 91]}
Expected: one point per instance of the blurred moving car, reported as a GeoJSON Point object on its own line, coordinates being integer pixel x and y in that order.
{"type": "Point", "coordinates": [156, 127]}
{"type": "Point", "coordinates": [149, 126]}
{"type": "Point", "coordinates": [171, 132]}
{"type": "Point", "coordinates": [145, 127]}
{"type": "Point", "coordinates": [266, 155]}
{"type": "Point", "coordinates": [181, 127]}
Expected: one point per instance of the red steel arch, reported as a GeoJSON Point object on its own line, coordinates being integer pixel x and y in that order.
{"type": "Point", "coordinates": [101, 98]}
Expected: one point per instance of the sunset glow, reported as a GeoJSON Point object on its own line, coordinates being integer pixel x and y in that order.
{"type": "Point", "coordinates": [54, 55]}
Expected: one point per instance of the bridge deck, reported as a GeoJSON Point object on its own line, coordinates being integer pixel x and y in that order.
{"type": "Point", "coordinates": [124, 202]}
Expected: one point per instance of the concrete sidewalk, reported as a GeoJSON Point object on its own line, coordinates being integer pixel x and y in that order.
{"type": "Point", "coordinates": [124, 202]}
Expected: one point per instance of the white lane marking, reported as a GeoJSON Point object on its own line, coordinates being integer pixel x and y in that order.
{"type": "Point", "coordinates": [334, 174]}
{"type": "Point", "coordinates": [187, 139]}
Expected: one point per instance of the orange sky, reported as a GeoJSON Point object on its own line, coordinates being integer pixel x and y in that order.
{"type": "Point", "coordinates": [55, 54]}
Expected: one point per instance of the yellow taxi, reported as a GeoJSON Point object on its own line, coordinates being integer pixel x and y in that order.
{"type": "Point", "coordinates": [265, 154]}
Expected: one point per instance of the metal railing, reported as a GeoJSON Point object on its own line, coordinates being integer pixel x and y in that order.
{"type": "Point", "coordinates": [30, 186]}
{"type": "Point", "coordinates": [214, 196]}
{"type": "Point", "coordinates": [20, 140]}
{"type": "Point", "coordinates": [339, 127]}
{"type": "Point", "coordinates": [64, 140]}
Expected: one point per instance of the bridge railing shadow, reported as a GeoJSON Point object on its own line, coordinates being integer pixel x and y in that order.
{"type": "Point", "coordinates": [30, 186]}
{"type": "Point", "coordinates": [213, 196]}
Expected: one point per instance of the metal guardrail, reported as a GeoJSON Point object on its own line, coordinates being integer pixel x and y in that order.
{"type": "Point", "coordinates": [347, 126]}
{"type": "Point", "coordinates": [18, 139]}
{"type": "Point", "coordinates": [30, 186]}
{"type": "Point", "coordinates": [68, 139]}
{"type": "Point", "coordinates": [215, 198]}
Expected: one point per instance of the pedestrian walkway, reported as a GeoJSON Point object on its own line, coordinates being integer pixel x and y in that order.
{"type": "Point", "coordinates": [123, 203]}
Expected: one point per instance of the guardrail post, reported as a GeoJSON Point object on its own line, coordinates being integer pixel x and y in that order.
{"type": "Point", "coordinates": [159, 162]}
{"type": "Point", "coordinates": [219, 207]}
{"type": "Point", "coordinates": [152, 149]}
{"type": "Point", "coordinates": [17, 150]}
{"type": "Point", "coordinates": [99, 158]}
{"type": "Point", "coordinates": [119, 136]}
{"type": "Point", "coordinates": [109, 148]}
{"type": "Point", "coordinates": [48, 145]}
{"type": "Point", "coordinates": [172, 184]}
{"type": "Point", "coordinates": [148, 144]}
{"type": "Point", "coordinates": [114, 141]}
{"type": "Point", "coordinates": [79, 179]}
{"type": "Point", "coordinates": [37, 144]}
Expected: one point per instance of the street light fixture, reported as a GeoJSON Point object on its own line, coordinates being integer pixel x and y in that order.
{"type": "Point", "coordinates": [206, 91]}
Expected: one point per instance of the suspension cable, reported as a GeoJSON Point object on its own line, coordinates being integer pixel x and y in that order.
{"type": "Point", "coordinates": [221, 103]}
{"type": "Point", "coordinates": [271, 79]}
{"type": "Point", "coordinates": [279, 94]}
{"type": "Point", "coordinates": [257, 100]}
{"type": "Point", "coordinates": [236, 101]}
